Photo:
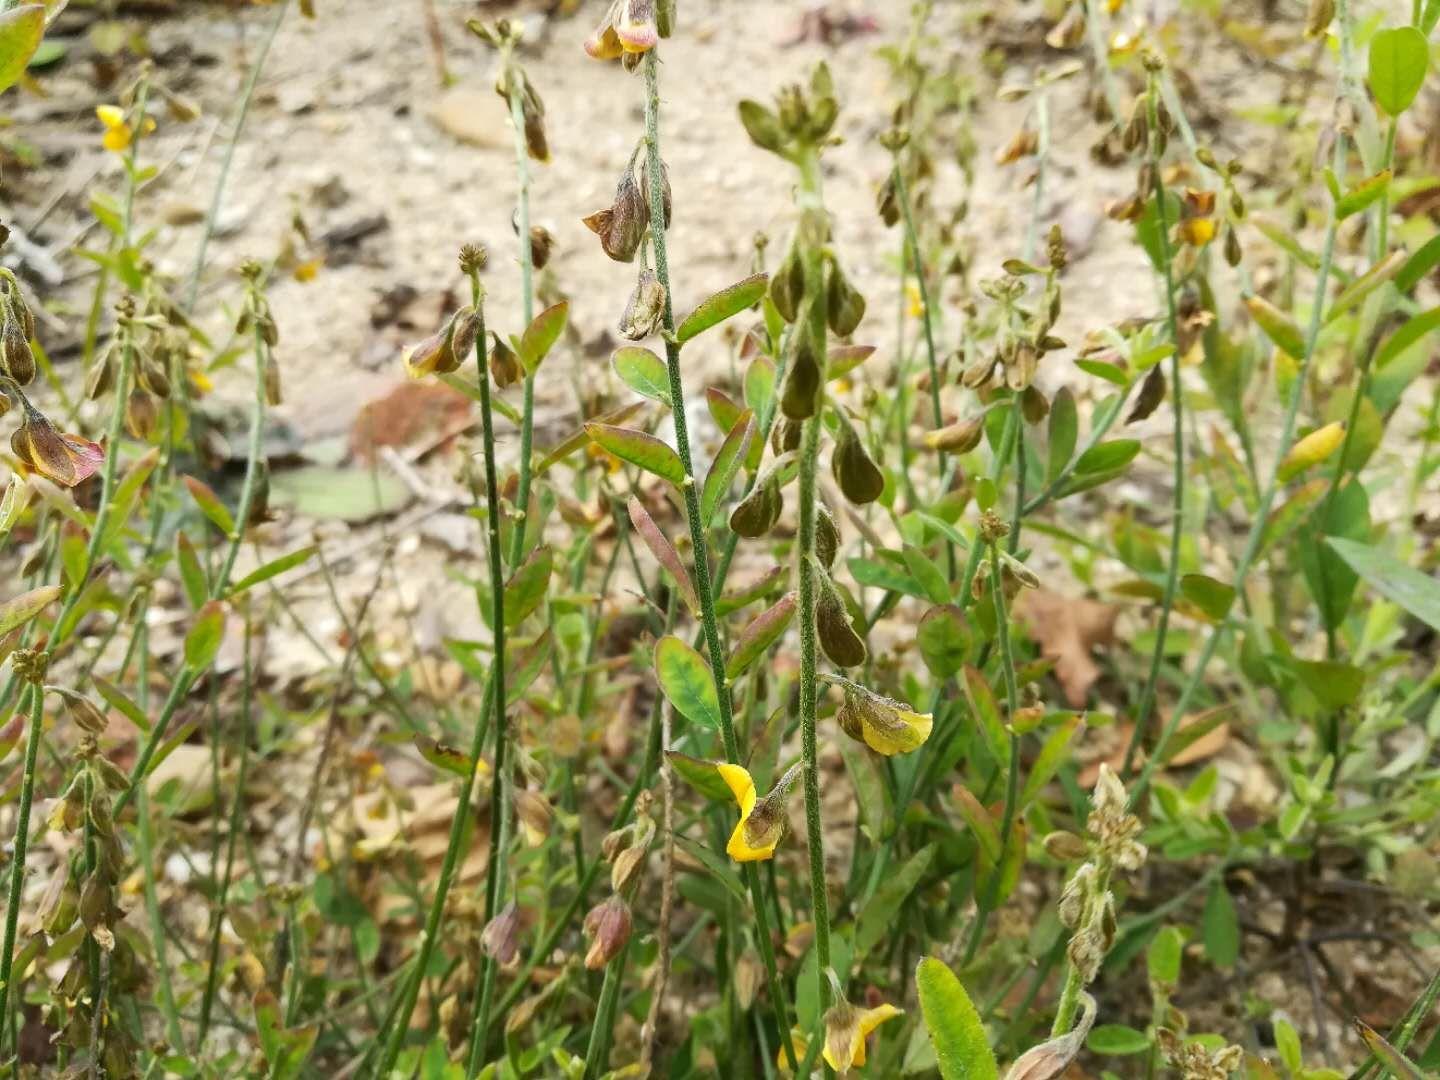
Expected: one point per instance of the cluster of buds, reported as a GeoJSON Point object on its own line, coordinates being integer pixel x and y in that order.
{"type": "Point", "coordinates": [621, 225]}
{"type": "Point", "coordinates": [1194, 1061]}
{"type": "Point", "coordinates": [17, 330]}
{"type": "Point", "coordinates": [156, 337]}
{"type": "Point", "coordinates": [630, 29]}
{"type": "Point", "coordinates": [1024, 334]}
{"type": "Point", "coordinates": [803, 116]}
{"type": "Point", "coordinates": [608, 923]}
{"type": "Point", "coordinates": [514, 86]}
{"type": "Point", "coordinates": [1087, 906]}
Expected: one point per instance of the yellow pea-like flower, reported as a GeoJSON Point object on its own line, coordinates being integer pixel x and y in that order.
{"type": "Point", "coordinates": [846, 1029]}
{"type": "Point", "coordinates": [762, 821]}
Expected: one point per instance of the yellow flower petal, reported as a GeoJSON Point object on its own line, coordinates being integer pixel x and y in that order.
{"type": "Point", "coordinates": [909, 733]}
{"type": "Point", "coordinates": [737, 779]}
{"type": "Point", "coordinates": [116, 139]}
{"type": "Point", "coordinates": [112, 116]}
{"type": "Point", "coordinates": [870, 1019]}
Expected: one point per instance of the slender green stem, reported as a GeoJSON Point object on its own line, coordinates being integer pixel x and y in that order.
{"type": "Point", "coordinates": [1262, 512]}
{"type": "Point", "coordinates": [217, 197]}
{"type": "Point", "coordinates": [703, 590]}
{"type": "Point", "coordinates": [21, 847]}
{"type": "Point", "coordinates": [527, 307]}
{"type": "Point", "coordinates": [500, 787]}
{"type": "Point", "coordinates": [398, 1026]}
{"type": "Point", "coordinates": [157, 927]}
{"type": "Point", "coordinates": [902, 196]}
{"type": "Point", "coordinates": [1177, 398]}
{"type": "Point", "coordinates": [596, 1051]}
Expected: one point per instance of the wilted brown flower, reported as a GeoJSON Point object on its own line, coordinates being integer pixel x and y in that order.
{"type": "Point", "coordinates": [645, 309]}
{"type": "Point", "coordinates": [608, 927]}
{"type": "Point", "coordinates": [621, 226]}
{"type": "Point", "coordinates": [66, 459]}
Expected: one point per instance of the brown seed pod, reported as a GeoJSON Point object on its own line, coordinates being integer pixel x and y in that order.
{"type": "Point", "coordinates": [860, 479]}
{"type": "Point", "coordinates": [756, 514]}
{"type": "Point", "coordinates": [833, 627]}
{"type": "Point", "coordinates": [827, 536]}
{"type": "Point", "coordinates": [844, 304]}
{"type": "Point", "coordinates": [787, 286]}
{"type": "Point", "coordinates": [800, 394]}
{"type": "Point", "coordinates": [15, 355]}
{"type": "Point", "coordinates": [621, 226]}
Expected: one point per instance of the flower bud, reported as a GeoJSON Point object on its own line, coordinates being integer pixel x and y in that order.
{"type": "Point", "coordinates": [958, 438]}
{"type": "Point", "coordinates": [827, 537]}
{"type": "Point", "coordinates": [833, 627]}
{"type": "Point", "coordinates": [844, 305]}
{"type": "Point", "coordinates": [141, 415]}
{"type": "Point", "coordinates": [645, 309]}
{"type": "Point", "coordinates": [1065, 846]}
{"type": "Point", "coordinates": [622, 225]}
{"type": "Point", "coordinates": [608, 927]}
{"type": "Point", "coordinates": [533, 810]}
{"type": "Point", "coordinates": [800, 393]}
{"type": "Point", "coordinates": [81, 710]}
{"type": "Point", "coordinates": [16, 358]}
{"type": "Point", "coordinates": [504, 364]}
{"type": "Point", "coordinates": [756, 514]}
{"type": "Point", "coordinates": [787, 286]}
{"type": "Point", "coordinates": [500, 939]}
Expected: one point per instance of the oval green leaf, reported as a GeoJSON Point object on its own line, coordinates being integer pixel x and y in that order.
{"type": "Point", "coordinates": [733, 451]}
{"type": "Point", "coordinates": [541, 334]}
{"type": "Point", "coordinates": [21, 29]}
{"type": "Point", "coordinates": [961, 1049]}
{"type": "Point", "coordinates": [639, 448]}
{"type": "Point", "coordinates": [1398, 59]}
{"type": "Point", "coordinates": [642, 371]}
{"type": "Point", "coordinates": [686, 682]}
{"type": "Point", "coordinates": [719, 307]}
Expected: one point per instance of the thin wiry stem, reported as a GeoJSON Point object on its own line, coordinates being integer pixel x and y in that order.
{"type": "Point", "coordinates": [1177, 398]}
{"type": "Point", "coordinates": [21, 846]}
{"type": "Point", "coordinates": [699, 546]}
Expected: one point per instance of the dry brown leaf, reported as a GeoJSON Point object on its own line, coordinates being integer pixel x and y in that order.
{"type": "Point", "coordinates": [1067, 628]}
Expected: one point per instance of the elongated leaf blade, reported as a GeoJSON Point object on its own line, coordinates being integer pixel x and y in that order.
{"type": "Point", "coordinates": [687, 683]}
{"type": "Point", "coordinates": [639, 448]}
{"type": "Point", "coordinates": [542, 333]}
{"type": "Point", "coordinates": [717, 308]}
{"type": "Point", "coordinates": [962, 1049]}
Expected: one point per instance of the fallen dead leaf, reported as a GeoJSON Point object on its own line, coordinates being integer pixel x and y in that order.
{"type": "Point", "coordinates": [1067, 628]}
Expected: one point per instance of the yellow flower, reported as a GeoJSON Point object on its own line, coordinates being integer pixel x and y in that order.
{"type": "Point", "coordinates": [762, 821]}
{"type": "Point", "coordinates": [1197, 232]}
{"type": "Point", "coordinates": [118, 132]}
{"type": "Point", "coordinates": [914, 306]}
{"type": "Point", "coordinates": [886, 726]}
{"type": "Point", "coordinates": [846, 1029]}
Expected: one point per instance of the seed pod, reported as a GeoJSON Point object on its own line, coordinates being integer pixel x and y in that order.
{"type": "Point", "coordinates": [101, 376]}
{"type": "Point", "coordinates": [15, 355]}
{"type": "Point", "coordinates": [1233, 252]}
{"type": "Point", "coordinates": [541, 244]}
{"type": "Point", "coordinates": [833, 627]}
{"type": "Point", "coordinates": [756, 514]}
{"type": "Point", "coordinates": [959, 438]}
{"type": "Point", "coordinates": [1065, 846]}
{"type": "Point", "coordinates": [844, 304]}
{"type": "Point", "coordinates": [81, 710]}
{"type": "Point", "coordinates": [622, 225]}
{"type": "Point", "coordinates": [800, 394]}
{"type": "Point", "coordinates": [22, 312]}
{"type": "Point", "coordinates": [665, 197]}
{"type": "Point", "coordinates": [274, 395]}
{"type": "Point", "coordinates": [827, 536]}
{"type": "Point", "coordinates": [111, 775]}
{"type": "Point", "coordinates": [1034, 405]}
{"type": "Point", "coordinates": [1152, 393]}
{"type": "Point", "coordinates": [504, 364]}
{"type": "Point", "coordinates": [645, 309]}
{"type": "Point", "coordinates": [608, 927]}
{"type": "Point", "coordinates": [464, 327]}
{"type": "Point", "coordinates": [887, 204]}
{"type": "Point", "coordinates": [860, 479]}
{"type": "Point", "coordinates": [500, 940]}
{"type": "Point", "coordinates": [785, 435]}
{"type": "Point", "coordinates": [535, 814]}
{"type": "Point", "coordinates": [1021, 369]}
{"type": "Point", "coordinates": [532, 112]}
{"type": "Point", "coordinates": [141, 415]}
{"type": "Point", "coordinates": [787, 286]}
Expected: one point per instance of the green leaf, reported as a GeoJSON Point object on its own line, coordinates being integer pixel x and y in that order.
{"type": "Point", "coordinates": [961, 1047]}
{"type": "Point", "coordinates": [1354, 293]}
{"type": "Point", "coordinates": [1287, 1043]}
{"type": "Point", "coordinates": [1415, 591]}
{"type": "Point", "coordinates": [1398, 60]}
{"type": "Point", "coordinates": [1415, 329]}
{"type": "Point", "coordinates": [642, 371]}
{"type": "Point", "coordinates": [723, 304]}
{"type": "Point", "coordinates": [1388, 1056]}
{"type": "Point", "coordinates": [443, 756]}
{"type": "Point", "coordinates": [718, 865]}
{"type": "Point", "coordinates": [1420, 263]}
{"type": "Point", "coordinates": [944, 639]}
{"type": "Point", "coordinates": [192, 573]}
{"type": "Point", "coordinates": [638, 448]}
{"type": "Point", "coordinates": [541, 334]}
{"type": "Point", "coordinates": [844, 359]}
{"type": "Point", "coordinates": [1103, 369]}
{"type": "Point", "coordinates": [352, 494]}
{"type": "Point", "coordinates": [759, 390]}
{"type": "Point", "coordinates": [987, 715]}
{"type": "Point", "coordinates": [127, 492]}
{"type": "Point", "coordinates": [1165, 955]}
{"type": "Point", "coordinates": [210, 505]}
{"type": "Point", "coordinates": [929, 576]}
{"type": "Point", "coordinates": [877, 919]}
{"type": "Point", "coordinates": [759, 634]}
{"type": "Point", "coordinates": [525, 591]}
{"type": "Point", "coordinates": [686, 682]}
{"type": "Point", "coordinates": [1329, 578]}
{"type": "Point", "coordinates": [1064, 430]}
{"type": "Point", "coordinates": [1053, 753]}
{"type": "Point", "coordinates": [274, 568]}
{"type": "Point", "coordinates": [574, 442]}
{"type": "Point", "coordinates": [1210, 596]}
{"type": "Point", "coordinates": [19, 610]}
{"type": "Point", "coordinates": [1117, 1040]}
{"type": "Point", "coordinates": [1277, 326]}
{"type": "Point", "coordinates": [733, 451]}
{"type": "Point", "coordinates": [869, 787]}
{"type": "Point", "coordinates": [1333, 684]}
{"type": "Point", "coordinates": [120, 702]}
{"type": "Point", "coordinates": [1099, 464]}
{"type": "Point", "coordinates": [206, 633]}
{"type": "Point", "coordinates": [1220, 927]}
{"type": "Point", "coordinates": [21, 29]}
{"type": "Point", "coordinates": [1362, 195]}
{"type": "Point", "coordinates": [702, 776]}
